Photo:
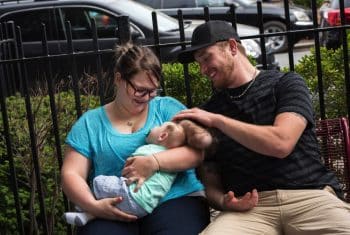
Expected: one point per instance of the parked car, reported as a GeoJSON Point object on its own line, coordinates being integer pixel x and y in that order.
{"type": "Point", "coordinates": [246, 13]}
{"type": "Point", "coordinates": [29, 15]}
{"type": "Point", "coordinates": [329, 15]}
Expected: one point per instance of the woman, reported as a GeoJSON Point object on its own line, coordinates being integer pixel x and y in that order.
{"type": "Point", "coordinates": [102, 139]}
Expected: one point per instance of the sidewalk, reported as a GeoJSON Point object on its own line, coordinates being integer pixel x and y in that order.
{"type": "Point", "coordinates": [305, 43]}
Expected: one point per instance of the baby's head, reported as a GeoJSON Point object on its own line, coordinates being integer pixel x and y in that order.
{"type": "Point", "coordinates": [169, 135]}
{"type": "Point", "coordinates": [172, 135]}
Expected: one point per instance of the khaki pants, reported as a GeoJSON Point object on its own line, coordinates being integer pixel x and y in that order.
{"type": "Point", "coordinates": [287, 212]}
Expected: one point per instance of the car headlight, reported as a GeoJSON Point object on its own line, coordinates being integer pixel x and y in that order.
{"type": "Point", "coordinates": [251, 47]}
{"type": "Point", "coordinates": [301, 16]}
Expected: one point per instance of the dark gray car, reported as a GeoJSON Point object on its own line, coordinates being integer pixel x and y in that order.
{"type": "Point", "coordinates": [29, 15]}
{"type": "Point", "coordinates": [246, 13]}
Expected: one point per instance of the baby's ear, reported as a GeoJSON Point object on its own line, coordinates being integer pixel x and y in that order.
{"type": "Point", "coordinates": [163, 136]}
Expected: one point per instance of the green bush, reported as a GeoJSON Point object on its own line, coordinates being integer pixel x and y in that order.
{"type": "Point", "coordinates": [332, 65]}
{"type": "Point", "coordinates": [174, 82]}
{"type": "Point", "coordinates": [24, 164]}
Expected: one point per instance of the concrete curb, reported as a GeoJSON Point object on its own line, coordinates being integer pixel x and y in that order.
{"type": "Point", "coordinates": [304, 43]}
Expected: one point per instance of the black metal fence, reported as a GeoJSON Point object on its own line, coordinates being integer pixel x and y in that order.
{"type": "Point", "coordinates": [29, 169]}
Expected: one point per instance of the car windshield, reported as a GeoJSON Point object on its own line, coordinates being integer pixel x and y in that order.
{"type": "Point", "coordinates": [335, 4]}
{"type": "Point", "coordinates": [143, 14]}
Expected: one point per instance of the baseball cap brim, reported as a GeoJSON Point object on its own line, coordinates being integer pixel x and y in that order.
{"type": "Point", "coordinates": [187, 55]}
{"type": "Point", "coordinates": [205, 35]}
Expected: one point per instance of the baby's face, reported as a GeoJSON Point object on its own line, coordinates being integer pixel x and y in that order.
{"type": "Point", "coordinates": [156, 132]}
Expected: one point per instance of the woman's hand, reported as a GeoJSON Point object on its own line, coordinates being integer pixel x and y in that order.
{"type": "Point", "coordinates": [137, 169]}
{"type": "Point", "coordinates": [245, 203]}
{"type": "Point", "coordinates": [106, 208]}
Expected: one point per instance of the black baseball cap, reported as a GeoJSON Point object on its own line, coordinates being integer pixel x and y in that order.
{"type": "Point", "coordinates": [208, 34]}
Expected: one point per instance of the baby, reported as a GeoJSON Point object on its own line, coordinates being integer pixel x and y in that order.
{"type": "Point", "coordinates": [142, 202]}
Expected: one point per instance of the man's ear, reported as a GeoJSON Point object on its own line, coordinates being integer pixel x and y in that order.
{"type": "Point", "coordinates": [233, 46]}
{"type": "Point", "coordinates": [163, 136]}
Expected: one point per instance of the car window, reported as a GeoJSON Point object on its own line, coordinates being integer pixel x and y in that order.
{"type": "Point", "coordinates": [106, 24]}
{"type": "Point", "coordinates": [31, 24]}
{"type": "Point", "coordinates": [79, 21]}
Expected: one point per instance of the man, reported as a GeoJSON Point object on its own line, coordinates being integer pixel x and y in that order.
{"type": "Point", "coordinates": [266, 141]}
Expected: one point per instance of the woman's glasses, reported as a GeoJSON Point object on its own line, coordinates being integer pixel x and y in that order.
{"type": "Point", "coordinates": [142, 92]}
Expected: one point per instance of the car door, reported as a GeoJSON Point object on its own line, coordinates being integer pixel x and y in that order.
{"type": "Point", "coordinates": [30, 23]}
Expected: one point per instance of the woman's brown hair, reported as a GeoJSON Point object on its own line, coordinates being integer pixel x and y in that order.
{"type": "Point", "coordinates": [131, 59]}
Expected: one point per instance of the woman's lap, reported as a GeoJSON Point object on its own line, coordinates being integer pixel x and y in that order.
{"type": "Point", "coordinates": [106, 227]}
{"type": "Point", "coordinates": [185, 216]}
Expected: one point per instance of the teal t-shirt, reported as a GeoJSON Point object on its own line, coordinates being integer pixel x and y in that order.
{"type": "Point", "coordinates": [94, 137]}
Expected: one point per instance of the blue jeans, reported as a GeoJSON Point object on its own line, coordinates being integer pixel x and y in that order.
{"type": "Point", "coordinates": [184, 215]}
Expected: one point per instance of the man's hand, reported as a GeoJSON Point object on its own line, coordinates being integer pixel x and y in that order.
{"type": "Point", "coordinates": [205, 118]}
{"type": "Point", "coordinates": [245, 203]}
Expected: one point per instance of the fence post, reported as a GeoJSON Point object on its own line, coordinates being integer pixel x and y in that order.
{"type": "Point", "coordinates": [123, 32]}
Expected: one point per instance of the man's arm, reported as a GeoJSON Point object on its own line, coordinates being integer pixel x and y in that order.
{"type": "Point", "coordinates": [276, 140]}
{"type": "Point", "coordinates": [216, 195]}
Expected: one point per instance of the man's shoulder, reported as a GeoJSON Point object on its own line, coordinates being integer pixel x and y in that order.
{"type": "Point", "coordinates": [272, 74]}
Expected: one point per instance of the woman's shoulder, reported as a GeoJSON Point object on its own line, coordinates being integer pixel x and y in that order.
{"type": "Point", "coordinates": [91, 114]}
{"type": "Point", "coordinates": [166, 107]}
{"type": "Point", "coordinates": [165, 99]}
{"type": "Point", "coordinates": [94, 111]}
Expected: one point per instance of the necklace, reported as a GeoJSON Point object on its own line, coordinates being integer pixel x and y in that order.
{"type": "Point", "coordinates": [119, 109]}
{"type": "Point", "coordinates": [233, 97]}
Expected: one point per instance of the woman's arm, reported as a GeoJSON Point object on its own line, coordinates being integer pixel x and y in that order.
{"type": "Point", "coordinates": [179, 159]}
{"type": "Point", "coordinates": [139, 168]}
{"type": "Point", "coordinates": [74, 174]}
